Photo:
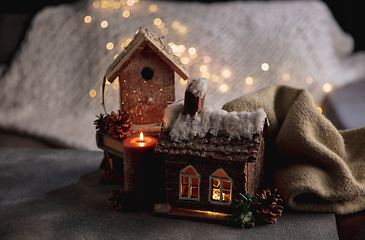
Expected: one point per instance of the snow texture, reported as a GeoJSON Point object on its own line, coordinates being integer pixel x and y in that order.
{"type": "Point", "coordinates": [234, 125]}
{"type": "Point", "coordinates": [198, 86]}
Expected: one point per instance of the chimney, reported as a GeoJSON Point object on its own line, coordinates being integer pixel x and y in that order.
{"type": "Point", "coordinates": [195, 95]}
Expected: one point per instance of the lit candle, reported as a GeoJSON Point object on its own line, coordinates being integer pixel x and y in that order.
{"type": "Point", "coordinates": [141, 168]}
{"type": "Point", "coordinates": [141, 143]}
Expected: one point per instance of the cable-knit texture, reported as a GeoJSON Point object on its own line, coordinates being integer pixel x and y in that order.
{"type": "Point", "coordinates": [45, 92]}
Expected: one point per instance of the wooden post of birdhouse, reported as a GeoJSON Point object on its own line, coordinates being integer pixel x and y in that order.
{"type": "Point", "coordinates": [195, 96]}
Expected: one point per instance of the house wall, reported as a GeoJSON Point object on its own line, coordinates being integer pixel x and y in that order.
{"type": "Point", "coordinates": [145, 100]}
{"type": "Point", "coordinates": [205, 168]}
{"type": "Point", "coordinates": [255, 172]}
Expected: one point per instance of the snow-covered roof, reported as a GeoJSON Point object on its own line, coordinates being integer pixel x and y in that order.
{"type": "Point", "coordinates": [233, 125]}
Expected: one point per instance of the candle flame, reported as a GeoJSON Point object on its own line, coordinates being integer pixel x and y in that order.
{"type": "Point", "coordinates": [141, 137]}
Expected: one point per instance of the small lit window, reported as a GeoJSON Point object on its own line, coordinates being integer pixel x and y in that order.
{"type": "Point", "coordinates": [220, 187]}
{"type": "Point", "coordinates": [189, 184]}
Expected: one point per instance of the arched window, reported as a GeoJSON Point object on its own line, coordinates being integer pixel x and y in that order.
{"type": "Point", "coordinates": [220, 187]}
{"type": "Point", "coordinates": [189, 184]}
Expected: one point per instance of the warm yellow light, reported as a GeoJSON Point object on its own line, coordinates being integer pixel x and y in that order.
{"type": "Point", "coordinates": [223, 88]}
{"type": "Point", "coordinates": [319, 109]}
{"type": "Point", "coordinates": [205, 75]}
{"type": "Point", "coordinates": [96, 4]}
{"type": "Point", "coordinates": [117, 5]}
{"type": "Point", "coordinates": [109, 46]}
{"type": "Point", "coordinates": [206, 59]}
{"type": "Point", "coordinates": [141, 141]}
{"type": "Point", "coordinates": [183, 82]}
{"type": "Point", "coordinates": [182, 29]}
{"type": "Point", "coordinates": [157, 21]}
{"type": "Point", "coordinates": [249, 80]}
{"type": "Point", "coordinates": [265, 67]}
{"type": "Point", "coordinates": [115, 56]}
{"type": "Point", "coordinates": [130, 3]}
{"type": "Point", "coordinates": [216, 194]}
{"type": "Point", "coordinates": [174, 48]}
{"type": "Point", "coordinates": [194, 56]}
{"type": "Point", "coordinates": [126, 14]}
{"type": "Point", "coordinates": [171, 44]}
{"type": "Point", "coordinates": [327, 87]}
{"type": "Point", "coordinates": [87, 19]}
{"type": "Point", "coordinates": [128, 41]}
{"type": "Point", "coordinates": [124, 2]}
{"type": "Point", "coordinates": [123, 45]}
{"type": "Point", "coordinates": [215, 78]}
{"type": "Point", "coordinates": [153, 8]}
{"type": "Point", "coordinates": [92, 93]}
{"type": "Point", "coordinates": [175, 25]}
{"type": "Point", "coordinates": [104, 4]}
{"type": "Point", "coordinates": [286, 77]}
{"type": "Point", "coordinates": [161, 25]}
{"type": "Point", "coordinates": [226, 73]}
{"type": "Point", "coordinates": [203, 68]}
{"type": "Point", "coordinates": [185, 60]}
{"type": "Point", "coordinates": [164, 31]}
{"type": "Point", "coordinates": [104, 24]}
{"type": "Point", "coordinates": [181, 48]}
{"type": "Point", "coordinates": [309, 80]}
{"type": "Point", "coordinates": [115, 85]}
{"type": "Point", "coordinates": [192, 51]}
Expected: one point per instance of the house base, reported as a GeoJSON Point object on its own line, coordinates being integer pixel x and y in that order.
{"type": "Point", "coordinates": [195, 215]}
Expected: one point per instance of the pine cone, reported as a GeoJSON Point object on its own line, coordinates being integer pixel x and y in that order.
{"type": "Point", "coordinates": [267, 206]}
{"type": "Point", "coordinates": [126, 201]}
{"type": "Point", "coordinates": [100, 123]}
{"type": "Point", "coordinates": [117, 200]}
{"type": "Point", "coordinates": [119, 124]}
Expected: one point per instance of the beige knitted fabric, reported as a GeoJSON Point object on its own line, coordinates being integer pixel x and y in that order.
{"type": "Point", "coordinates": [45, 93]}
{"type": "Point", "coordinates": [315, 166]}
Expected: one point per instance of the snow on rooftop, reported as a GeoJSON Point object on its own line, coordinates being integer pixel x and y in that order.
{"type": "Point", "coordinates": [198, 86]}
{"type": "Point", "coordinates": [235, 125]}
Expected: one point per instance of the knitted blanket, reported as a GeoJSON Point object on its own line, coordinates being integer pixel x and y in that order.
{"type": "Point", "coordinates": [314, 166]}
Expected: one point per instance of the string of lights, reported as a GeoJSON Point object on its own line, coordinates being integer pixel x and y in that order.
{"type": "Point", "coordinates": [187, 55]}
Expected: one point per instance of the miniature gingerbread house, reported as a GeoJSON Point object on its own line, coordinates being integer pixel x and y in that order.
{"type": "Point", "coordinates": [210, 156]}
{"type": "Point", "coordinates": [145, 70]}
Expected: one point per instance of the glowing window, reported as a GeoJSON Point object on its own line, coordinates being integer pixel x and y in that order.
{"type": "Point", "coordinates": [220, 187]}
{"type": "Point", "coordinates": [189, 184]}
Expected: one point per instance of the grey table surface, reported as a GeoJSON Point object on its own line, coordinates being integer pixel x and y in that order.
{"type": "Point", "coordinates": [56, 194]}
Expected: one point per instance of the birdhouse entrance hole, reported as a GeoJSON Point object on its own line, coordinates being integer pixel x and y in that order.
{"type": "Point", "coordinates": [147, 73]}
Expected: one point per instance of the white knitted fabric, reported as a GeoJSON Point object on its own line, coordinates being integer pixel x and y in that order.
{"type": "Point", "coordinates": [45, 93]}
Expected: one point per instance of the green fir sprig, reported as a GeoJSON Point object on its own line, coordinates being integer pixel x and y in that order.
{"type": "Point", "coordinates": [241, 215]}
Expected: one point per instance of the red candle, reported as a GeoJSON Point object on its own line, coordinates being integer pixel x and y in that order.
{"type": "Point", "coordinates": [141, 143]}
{"type": "Point", "coordinates": [140, 166]}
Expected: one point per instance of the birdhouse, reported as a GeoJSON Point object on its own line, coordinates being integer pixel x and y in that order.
{"type": "Point", "coordinates": [145, 71]}
{"type": "Point", "coordinates": [211, 156]}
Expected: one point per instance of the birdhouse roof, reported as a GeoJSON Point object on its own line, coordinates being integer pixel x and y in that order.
{"type": "Point", "coordinates": [144, 38]}
{"type": "Point", "coordinates": [213, 134]}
